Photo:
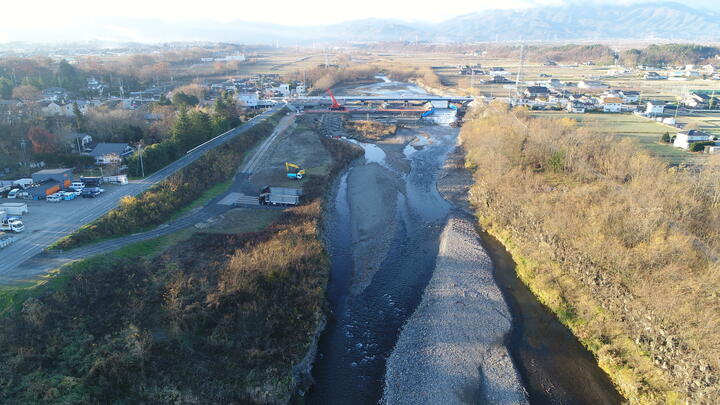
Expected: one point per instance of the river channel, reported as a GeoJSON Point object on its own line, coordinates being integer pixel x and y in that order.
{"type": "Point", "coordinates": [382, 232]}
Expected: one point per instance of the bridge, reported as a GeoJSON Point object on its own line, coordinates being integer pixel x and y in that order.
{"type": "Point", "coordinates": [430, 98]}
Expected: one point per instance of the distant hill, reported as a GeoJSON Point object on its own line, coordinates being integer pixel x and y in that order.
{"type": "Point", "coordinates": [671, 21]}
{"type": "Point", "coordinates": [664, 20]}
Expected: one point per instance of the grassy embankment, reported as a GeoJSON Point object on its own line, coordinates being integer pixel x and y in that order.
{"type": "Point", "coordinates": [213, 317]}
{"type": "Point", "coordinates": [621, 247]}
{"type": "Point", "coordinates": [198, 182]}
{"type": "Point", "coordinates": [645, 132]}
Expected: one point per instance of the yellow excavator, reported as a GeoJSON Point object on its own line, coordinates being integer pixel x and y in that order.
{"type": "Point", "coordinates": [294, 171]}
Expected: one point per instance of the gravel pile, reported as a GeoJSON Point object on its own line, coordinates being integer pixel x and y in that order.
{"type": "Point", "coordinates": [451, 350]}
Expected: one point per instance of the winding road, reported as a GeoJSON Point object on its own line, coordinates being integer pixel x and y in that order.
{"type": "Point", "coordinates": [26, 259]}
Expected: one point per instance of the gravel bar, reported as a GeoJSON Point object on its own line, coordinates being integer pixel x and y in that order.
{"type": "Point", "coordinates": [452, 348]}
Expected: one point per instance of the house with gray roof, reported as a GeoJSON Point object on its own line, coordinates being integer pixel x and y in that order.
{"type": "Point", "coordinates": [108, 153]}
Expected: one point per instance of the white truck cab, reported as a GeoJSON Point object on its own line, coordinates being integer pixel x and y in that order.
{"type": "Point", "coordinates": [10, 224]}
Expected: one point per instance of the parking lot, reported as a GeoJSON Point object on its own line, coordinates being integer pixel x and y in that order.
{"type": "Point", "coordinates": [43, 214]}
{"type": "Point", "coordinates": [47, 222]}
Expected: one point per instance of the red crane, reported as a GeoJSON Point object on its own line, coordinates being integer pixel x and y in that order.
{"type": "Point", "coordinates": [335, 105]}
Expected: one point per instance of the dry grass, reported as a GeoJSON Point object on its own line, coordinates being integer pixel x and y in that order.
{"type": "Point", "coordinates": [370, 130]}
{"type": "Point", "coordinates": [620, 246]}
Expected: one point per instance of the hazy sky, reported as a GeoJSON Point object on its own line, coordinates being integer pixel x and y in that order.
{"type": "Point", "coordinates": [56, 13]}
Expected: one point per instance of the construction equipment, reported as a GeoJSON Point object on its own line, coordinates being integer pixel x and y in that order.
{"type": "Point", "coordinates": [335, 105]}
{"type": "Point", "coordinates": [294, 171]}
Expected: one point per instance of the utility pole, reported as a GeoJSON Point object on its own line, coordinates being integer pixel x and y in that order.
{"type": "Point", "coordinates": [519, 73]}
{"type": "Point", "coordinates": [22, 145]}
{"type": "Point", "coordinates": [140, 160]}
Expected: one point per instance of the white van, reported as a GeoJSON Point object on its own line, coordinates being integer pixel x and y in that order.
{"type": "Point", "coordinates": [78, 185]}
{"type": "Point", "coordinates": [54, 198]}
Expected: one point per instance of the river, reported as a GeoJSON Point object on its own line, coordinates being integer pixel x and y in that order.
{"type": "Point", "coordinates": [382, 232]}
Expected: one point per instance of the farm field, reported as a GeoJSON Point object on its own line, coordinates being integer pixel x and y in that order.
{"type": "Point", "coordinates": [646, 132]}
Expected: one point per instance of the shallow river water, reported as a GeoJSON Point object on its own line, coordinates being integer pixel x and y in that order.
{"type": "Point", "coordinates": [364, 326]}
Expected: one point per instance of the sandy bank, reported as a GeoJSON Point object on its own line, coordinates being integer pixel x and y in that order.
{"type": "Point", "coordinates": [372, 195]}
{"type": "Point", "coordinates": [451, 350]}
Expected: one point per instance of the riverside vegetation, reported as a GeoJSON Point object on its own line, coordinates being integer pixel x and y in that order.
{"type": "Point", "coordinates": [620, 246]}
{"type": "Point", "coordinates": [217, 318]}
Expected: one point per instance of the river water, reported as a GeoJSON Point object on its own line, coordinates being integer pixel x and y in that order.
{"type": "Point", "coordinates": [366, 321]}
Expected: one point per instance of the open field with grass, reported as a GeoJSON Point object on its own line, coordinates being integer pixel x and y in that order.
{"type": "Point", "coordinates": [645, 132]}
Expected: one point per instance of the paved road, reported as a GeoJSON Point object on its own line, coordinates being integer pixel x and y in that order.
{"type": "Point", "coordinates": [30, 245]}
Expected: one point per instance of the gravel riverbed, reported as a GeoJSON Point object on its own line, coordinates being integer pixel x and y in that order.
{"type": "Point", "coordinates": [452, 348]}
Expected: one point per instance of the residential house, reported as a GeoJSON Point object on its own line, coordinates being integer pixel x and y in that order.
{"type": "Point", "coordinates": [536, 91]}
{"type": "Point", "coordinates": [283, 89]}
{"type": "Point", "coordinates": [654, 76]}
{"type": "Point", "coordinates": [685, 138]}
{"type": "Point", "coordinates": [630, 96]}
{"type": "Point", "coordinates": [108, 153]}
{"type": "Point", "coordinates": [697, 100]}
{"type": "Point", "coordinates": [11, 111]}
{"type": "Point", "coordinates": [498, 71]}
{"type": "Point", "coordinates": [249, 99]}
{"type": "Point", "coordinates": [575, 107]}
{"type": "Point", "coordinates": [57, 109]}
{"type": "Point", "coordinates": [709, 70]}
{"type": "Point", "coordinates": [611, 104]}
{"type": "Point", "coordinates": [78, 142]}
{"type": "Point", "coordinates": [555, 84]}
{"type": "Point", "coordinates": [500, 79]}
{"type": "Point", "coordinates": [56, 94]}
{"type": "Point", "coordinates": [52, 109]}
{"type": "Point", "coordinates": [655, 107]}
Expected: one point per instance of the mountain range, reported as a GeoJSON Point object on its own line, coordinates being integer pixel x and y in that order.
{"type": "Point", "coordinates": [643, 21]}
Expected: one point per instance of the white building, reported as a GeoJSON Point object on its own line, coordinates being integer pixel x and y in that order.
{"type": "Point", "coordinates": [685, 138]}
{"type": "Point", "coordinates": [630, 96]}
{"type": "Point", "coordinates": [248, 99]}
{"type": "Point", "coordinates": [611, 104]}
{"type": "Point", "coordinates": [283, 89]}
{"type": "Point", "coordinates": [655, 107]}
{"type": "Point", "coordinates": [575, 108]}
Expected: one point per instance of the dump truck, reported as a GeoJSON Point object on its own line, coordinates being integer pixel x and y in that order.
{"type": "Point", "coordinates": [280, 196]}
{"type": "Point", "coordinates": [14, 208]}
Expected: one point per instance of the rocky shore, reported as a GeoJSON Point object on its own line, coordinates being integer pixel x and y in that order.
{"type": "Point", "coordinates": [452, 349]}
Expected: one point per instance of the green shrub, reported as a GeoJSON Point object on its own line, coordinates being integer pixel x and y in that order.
{"type": "Point", "coordinates": [700, 146]}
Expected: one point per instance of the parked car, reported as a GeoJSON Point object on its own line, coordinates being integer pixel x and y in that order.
{"type": "Point", "coordinates": [14, 193]}
{"type": "Point", "coordinates": [57, 197]}
{"type": "Point", "coordinates": [78, 185]}
{"type": "Point", "coordinates": [68, 195]}
{"type": "Point", "coordinates": [91, 192]}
